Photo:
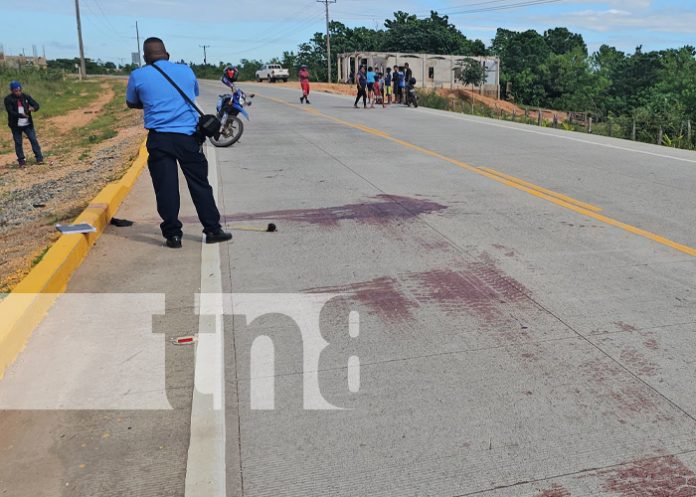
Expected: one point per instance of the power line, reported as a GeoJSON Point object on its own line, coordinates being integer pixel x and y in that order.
{"type": "Point", "coordinates": [457, 9]}
{"type": "Point", "coordinates": [268, 41]}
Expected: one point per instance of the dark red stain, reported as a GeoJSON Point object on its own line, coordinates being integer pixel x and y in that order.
{"type": "Point", "coordinates": [618, 395]}
{"type": "Point", "coordinates": [625, 327]}
{"type": "Point", "coordinates": [637, 362]}
{"type": "Point", "coordinates": [479, 288]}
{"type": "Point", "coordinates": [440, 244]}
{"type": "Point", "coordinates": [383, 296]}
{"type": "Point", "coordinates": [555, 491]}
{"type": "Point", "coordinates": [651, 343]}
{"type": "Point", "coordinates": [508, 251]}
{"type": "Point", "coordinates": [659, 477]}
{"type": "Point", "coordinates": [383, 209]}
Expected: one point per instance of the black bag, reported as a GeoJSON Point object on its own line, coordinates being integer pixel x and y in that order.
{"type": "Point", "coordinates": [208, 124]}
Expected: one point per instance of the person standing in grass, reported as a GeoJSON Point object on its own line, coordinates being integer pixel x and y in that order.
{"type": "Point", "coordinates": [304, 83]}
{"type": "Point", "coordinates": [20, 107]}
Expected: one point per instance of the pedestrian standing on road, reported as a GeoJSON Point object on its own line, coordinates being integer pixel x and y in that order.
{"type": "Point", "coordinates": [304, 83]}
{"type": "Point", "coordinates": [20, 107]}
{"type": "Point", "coordinates": [362, 88]}
{"type": "Point", "coordinates": [395, 83]}
{"type": "Point", "coordinates": [370, 85]}
{"type": "Point", "coordinates": [387, 84]}
{"type": "Point", "coordinates": [173, 136]}
{"type": "Point", "coordinates": [378, 97]}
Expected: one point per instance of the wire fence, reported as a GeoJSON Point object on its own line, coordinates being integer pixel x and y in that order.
{"type": "Point", "coordinates": [644, 127]}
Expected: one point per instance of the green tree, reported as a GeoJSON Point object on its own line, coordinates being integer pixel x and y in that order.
{"type": "Point", "coordinates": [434, 34]}
{"type": "Point", "coordinates": [523, 58]}
{"type": "Point", "coordinates": [471, 72]}
{"type": "Point", "coordinates": [562, 41]}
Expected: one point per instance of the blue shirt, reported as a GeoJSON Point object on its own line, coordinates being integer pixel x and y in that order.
{"type": "Point", "coordinates": [164, 108]}
{"type": "Point", "coordinates": [370, 77]}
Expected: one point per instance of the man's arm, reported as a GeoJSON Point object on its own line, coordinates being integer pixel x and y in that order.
{"type": "Point", "coordinates": [32, 103]}
{"type": "Point", "coordinates": [132, 99]}
{"type": "Point", "coordinates": [11, 109]}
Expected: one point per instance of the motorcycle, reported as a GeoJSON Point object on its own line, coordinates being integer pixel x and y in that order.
{"type": "Point", "coordinates": [229, 106]}
{"type": "Point", "coordinates": [411, 96]}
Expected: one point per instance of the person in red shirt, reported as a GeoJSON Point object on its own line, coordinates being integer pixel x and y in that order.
{"type": "Point", "coordinates": [304, 83]}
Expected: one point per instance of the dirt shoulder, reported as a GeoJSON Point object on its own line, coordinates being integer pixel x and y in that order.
{"type": "Point", "coordinates": [85, 149]}
{"type": "Point", "coordinates": [460, 93]}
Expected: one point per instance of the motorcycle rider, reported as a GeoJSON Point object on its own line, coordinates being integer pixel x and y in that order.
{"type": "Point", "coordinates": [229, 76]}
{"type": "Point", "coordinates": [411, 97]}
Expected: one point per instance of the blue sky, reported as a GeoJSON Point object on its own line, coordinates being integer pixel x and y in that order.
{"type": "Point", "coordinates": [237, 29]}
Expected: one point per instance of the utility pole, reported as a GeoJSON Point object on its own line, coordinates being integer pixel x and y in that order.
{"type": "Point", "coordinates": [328, 38]}
{"type": "Point", "coordinates": [83, 69]}
{"type": "Point", "coordinates": [137, 37]}
{"type": "Point", "coordinates": [205, 57]}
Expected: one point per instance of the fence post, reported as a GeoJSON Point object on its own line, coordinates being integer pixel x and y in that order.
{"type": "Point", "coordinates": [514, 115]}
{"type": "Point", "coordinates": [526, 115]}
{"type": "Point", "coordinates": [660, 133]}
{"type": "Point", "coordinates": [609, 127]}
{"type": "Point", "coordinates": [633, 130]}
{"type": "Point", "coordinates": [589, 126]}
{"type": "Point", "coordinates": [555, 121]}
{"type": "Point", "coordinates": [539, 118]}
{"type": "Point", "coordinates": [688, 131]}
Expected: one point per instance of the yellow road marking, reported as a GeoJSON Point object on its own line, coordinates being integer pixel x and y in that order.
{"type": "Point", "coordinates": [537, 191]}
{"type": "Point", "coordinates": [568, 199]}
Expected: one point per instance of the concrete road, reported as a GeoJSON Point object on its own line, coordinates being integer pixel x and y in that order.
{"type": "Point", "coordinates": [504, 311]}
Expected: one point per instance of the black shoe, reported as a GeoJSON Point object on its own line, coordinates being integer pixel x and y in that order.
{"type": "Point", "coordinates": [174, 241]}
{"type": "Point", "coordinates": [39, 161]}
{"type": "Point", "coordinates": [306, 101]}
{"type": "Point", "coordinates": [217, 236]}
{"type": "Point", "coordinates": [301, 99]}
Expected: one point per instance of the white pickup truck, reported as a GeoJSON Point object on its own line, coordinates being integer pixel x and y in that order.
{"type": "Point", "coordinates": [272, 72]}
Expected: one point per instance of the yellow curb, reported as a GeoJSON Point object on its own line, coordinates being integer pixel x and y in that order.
{"type": "Point", "coordinates": [24, 308]}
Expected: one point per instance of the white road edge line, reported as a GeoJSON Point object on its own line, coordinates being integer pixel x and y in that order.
{"type": "Point", "coordinates": [205, 467]}
{"type": "Point", "coordinates": [518, 127]}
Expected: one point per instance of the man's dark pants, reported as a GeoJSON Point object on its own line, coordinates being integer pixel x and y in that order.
{"type": "Point", "coordinates": [164, 150]}
{"type": "Point", "coordinates": [31, 134]}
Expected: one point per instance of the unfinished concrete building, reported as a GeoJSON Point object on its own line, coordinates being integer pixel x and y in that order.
{"type": "Point", "coordinates": [430, 70]}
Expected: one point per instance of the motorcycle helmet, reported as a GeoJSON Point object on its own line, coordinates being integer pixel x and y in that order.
{"type": "Point", "coordinates": [231, 73]}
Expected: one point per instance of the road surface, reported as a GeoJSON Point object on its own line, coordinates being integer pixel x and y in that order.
{"type": "Point", "coordinates": [451, 306]}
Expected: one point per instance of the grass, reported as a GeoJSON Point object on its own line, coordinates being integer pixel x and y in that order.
{"type": "Point", "coordinates": [40, 256]}
{"type": "Point", "coordinates": [103, 126]}
{"type": "Point", "coordinates": [616, 127]}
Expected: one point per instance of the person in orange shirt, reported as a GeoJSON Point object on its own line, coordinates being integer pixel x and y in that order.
{"type": "Point", "coordinates": [304, 84]}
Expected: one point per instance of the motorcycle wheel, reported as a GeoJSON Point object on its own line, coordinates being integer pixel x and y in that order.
{"type": "Point", "coordinates": [230, 134]}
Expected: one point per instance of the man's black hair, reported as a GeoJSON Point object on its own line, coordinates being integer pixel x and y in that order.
{"type": "Point", "coordinates": [153, 39]}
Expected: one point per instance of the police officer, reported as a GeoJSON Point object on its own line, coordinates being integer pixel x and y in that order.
{"type": "Point", "coordinates": [172, 137]}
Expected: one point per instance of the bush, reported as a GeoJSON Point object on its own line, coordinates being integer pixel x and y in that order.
{"type": "Point", "coordinates": [432, 100]}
